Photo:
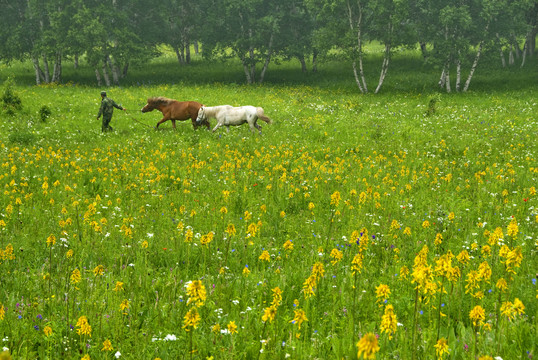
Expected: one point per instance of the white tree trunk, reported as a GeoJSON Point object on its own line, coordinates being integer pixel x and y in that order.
{"type": "Point", "coordinates": [442, 79]}
{"type": "Point", "coordinates": [57, 73]}
{"type": "Point", "coordinates": [447, 81]}
{"type": "Point", "coordinates": [38, 72]}
{"type": "Point", "coordinates": [105, 74]}
{"type": "Point", "coordinates": [46, 71]}
{"type": "Point", "coordinates": [473, 67]}
{"type": "Point", "coordinates": [458, 75]}
{"type": "Point", "coordinates": [384, 68]}
{"type": "Point", "coordinates": [267, 59]}
{"type": "Point", "coordinates": [246, 69]}
{"type": "Point", "coordinates": [525, 48]}
{"type": "Point", "coordinates": [357, 79]}
{"type": "Point", "coordinates": [98, 77]}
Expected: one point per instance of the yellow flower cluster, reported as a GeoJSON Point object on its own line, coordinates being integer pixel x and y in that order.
{"type": "Point", "coordinates": [318, 271]}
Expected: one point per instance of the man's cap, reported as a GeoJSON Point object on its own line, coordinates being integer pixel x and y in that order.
{"type": "Point", "coordinates": [103, 93]}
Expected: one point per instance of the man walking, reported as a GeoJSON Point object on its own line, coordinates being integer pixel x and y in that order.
{"type": "Point", "coordinates": [106, 109]}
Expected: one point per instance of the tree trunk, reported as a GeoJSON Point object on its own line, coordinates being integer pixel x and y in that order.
{"type": "Point", "coordinates": [246, 69]}
{"type": "Point", "coordinates": [267, 59]}
{"type": "Point", "coordinates": [503, 60]}
{"type": "Point", "coordinates": [359, 77]}
{"type": "Point", "coordinates": [458, 75]}
{"type": "Point", "coordinates": [524, 55]}
{"type": "Point", "coordinates": [105, 74]}
{"type": "Point", "coordinates": [444, 81]}
{"type": "Point", "coordinates": [386, 59]}
{"type": "Point", "coordinates": [57, 74]}
{"type": "Point", "coordinates": [423, 50]}
{"type": "Point", "coordinates": [517, 50]}
{"type": "Point", "coordinates": [115, 71]}
{"type": "Point", "coordinates": [187, 50]}
{"type": "Point", "coordinates": [196, 49]}
{"type": "Point", "coordinates": [303, 63]}
{"type": "Point", "coordinates": [384, 67]}
{"type": "Point", "coordinates": [38, 72]}
{"type": "Point", "coordinates": [46, 71]}
{"type": "Point", "coordinates": [511, 55]}
{"type": "Point", "coordinates": [447, 80]}
{"type": "Point", "coordinates": [178, 54]}
{"type": "Point", "coordinates": [473, 67]}
{"type": "Point", "coordinates": [98, 77]}
{"type": "Point", "coordinates": [252, 59]}
{"type": "Point", "coordinates": [314, 60]}
{"type": "Point", "coordinates": [76, 61]}
{"type": "Point", "coordinates": [125, 69]}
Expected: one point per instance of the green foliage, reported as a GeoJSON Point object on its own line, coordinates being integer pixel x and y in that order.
{"type": "Point", "coordinates": [10, 100]}
{"type": "Point", "coordinates": [44, 113]}
{"type": "Point", "coordinates": [22, 138]}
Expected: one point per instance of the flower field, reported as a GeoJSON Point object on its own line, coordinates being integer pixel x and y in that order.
{"type": "Point", "coordinates": [388, 227]}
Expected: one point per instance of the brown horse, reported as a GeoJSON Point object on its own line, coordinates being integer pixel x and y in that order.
{"type": "Point", "coordinates": [175, 110]}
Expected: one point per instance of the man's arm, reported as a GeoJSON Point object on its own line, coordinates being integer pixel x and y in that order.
{"type": "Point", "coordinates": [101, 110]}
{"type": "Point", "coordinates": [116, 105]}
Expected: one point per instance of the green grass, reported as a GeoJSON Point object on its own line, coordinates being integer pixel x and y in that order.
{"type": "Point", "coordinates": [393, 167]}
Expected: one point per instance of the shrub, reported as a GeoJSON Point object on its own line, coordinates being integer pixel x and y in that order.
{"type": "Point", "coordinates": [11, 102]}
{"type": "Point", "coordinates": [44, 113]}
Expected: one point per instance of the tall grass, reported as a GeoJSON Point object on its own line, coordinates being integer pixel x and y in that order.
{"type": "Point", "coordinates": [295, 235]}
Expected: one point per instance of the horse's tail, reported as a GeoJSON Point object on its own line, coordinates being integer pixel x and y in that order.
{"type": "Point", "coordinates": [261, 115]}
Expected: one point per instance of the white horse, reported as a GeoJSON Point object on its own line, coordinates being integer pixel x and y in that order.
{"type": "Point", "coordinates": [228, 115]}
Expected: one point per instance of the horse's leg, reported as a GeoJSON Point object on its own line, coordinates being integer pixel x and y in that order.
{"type": "Point", "coordinates": [160, 122]}
{"type": "Point", "coordinates": [252, 125]}
{"type": "Point", "coordinates": [259, 127]}
{"type": "Point", "coordinates": [174, 124]}
{"type": "Point", "coordinates": [219, 124]}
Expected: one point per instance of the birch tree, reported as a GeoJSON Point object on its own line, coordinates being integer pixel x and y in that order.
{"type": "Point", "coordinates": [114, 36]}
{"type": "Point", "coordinates": [355, 23]}
{"type": "Point", "coordinates": [249, 28]}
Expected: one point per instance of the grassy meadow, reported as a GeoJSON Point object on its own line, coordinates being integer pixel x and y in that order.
{"type": "Point", "coordinates": [401, 225]}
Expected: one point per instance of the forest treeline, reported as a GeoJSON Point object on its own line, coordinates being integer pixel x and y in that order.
{"type": "Point", "coordinates": [112, 35]}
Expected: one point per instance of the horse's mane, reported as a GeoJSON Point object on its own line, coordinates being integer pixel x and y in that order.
{"type": "Point", "coordinates": [159, 100]}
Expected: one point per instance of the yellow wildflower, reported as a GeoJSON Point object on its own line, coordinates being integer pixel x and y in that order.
{"type": "Point", "coordinates": [84, 327]}
{"type": "Point", "coordinates": [389, 323]}
{"type": "Point", "coordinates": [368, 346]}
{"type": "Point", "coordinates": [75, 276]}
{"type": "Point", "coordinates": [191, 320]}
{"type": "Point", "coordinates": [232, 327]}
{"type": "Point", "coordinates": [382, 292]}
{"type": "Point", "coordinates": [99, 270]}
{"type": "Point", "coordinates": [51, 240]}
{"type": "Point", "coordinates": [513, 228]}
{"type": "Point", "coordinates": [197, 292]}
{"type": "Point", "coordinates": [269, 313]}
{"type": "Point", "coordinates": [265, 256]}
{"type": "Point", "coordinates": [48, 331]}
{"type": "Point", "coordinates": [441, 347]}
{"type": "Point", "coordinates": [336, 255]}
{"type": "Point", "coordinates": [124, 306]}
{"type": "Point", "coordinates": [107, 346]}
{"type": "Point", "coordinates": [299, 318]}
{"type": "Point", "coordinates": [477, 315]}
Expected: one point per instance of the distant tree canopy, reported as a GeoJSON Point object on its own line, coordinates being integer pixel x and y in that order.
{"type": "Point", "coordinates": [111, 35]}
